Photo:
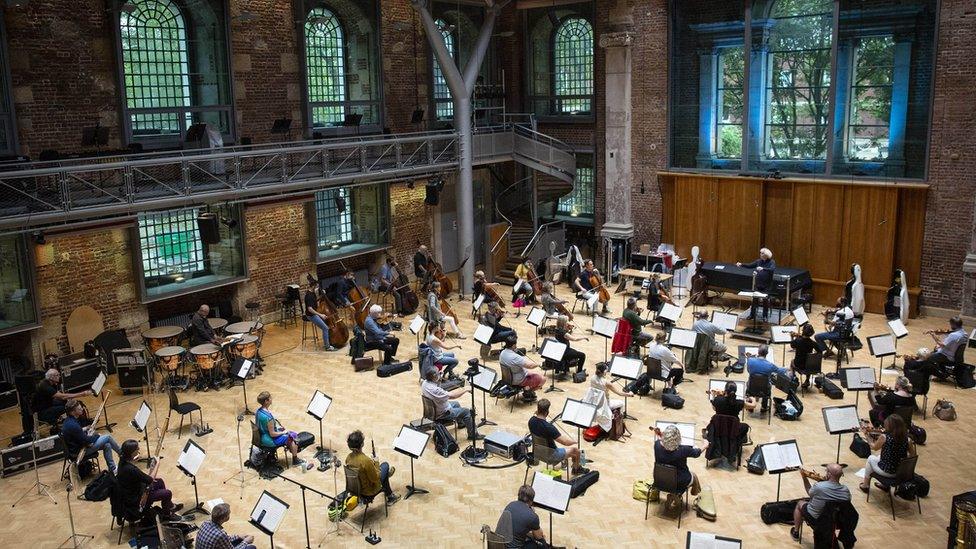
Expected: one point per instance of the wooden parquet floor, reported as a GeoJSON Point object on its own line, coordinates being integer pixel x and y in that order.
{"type": "Point", "coordinates": [463, 498]}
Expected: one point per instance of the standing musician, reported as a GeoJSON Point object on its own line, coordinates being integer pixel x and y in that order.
{"type": "Point", "coordinates": [76, 437]}
{"type": "Point", "coordinates": [49, 401]}
{"type": "Point", "coordinates": [829, 489]}
{"type": "Point", "coordinates": [884, 402]}
{"type": "Point", "coordinates": [311, 302]}
{"type": "Point", "coordinates": [524, 275]}
{"type": "Point", "coordinates": [212, 535]}
{"type": "Point", "coordinates": [388, 282]}
{"type": "Point", "coordinates": [273, 435]}
{"type": "Point", "coordinates": [133, 484]}
{"type": "Point", "coordinates": [945, 350]}
{"type": "Point", "coordinates": [803, 346]}
{"type": "Point", "coordinates": [378, 337]}
{"type": "Point", "coordinates": [374, 477]}
{"type": "Point", "coordinates": [632, 315]}
{"type": "Point", "coordinates": [843, 316]}
{"type": "Point", "coordinates": [563, 334]}
{"type": "Point", "coordinates": [585, 288]}
{"type": "Point", "coordinates": [434, 313]}
{"type": "Point", "coordinates": [764, 269]}
{"type": "Point", "coordinates": [704, 326]}
{"type": "Point", "coordinates": [421, 260]}
{"type": "Point", "coordinates": [200, 330]}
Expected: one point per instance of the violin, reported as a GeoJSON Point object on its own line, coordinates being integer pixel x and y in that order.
{"type": "Point", "coordinates": [598, 286]}
{"type": "Point", "coordinates": [715, 393]}
{"type": "Point", "coordinates": [882, 387]}
{"type": "Point", "coordinates": [812, 475]}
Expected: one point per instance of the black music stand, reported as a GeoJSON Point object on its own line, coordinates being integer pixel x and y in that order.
{"type": "Point", "coordinates": [139, 423]}
{"type": "Point", "coordinates": [579, 414]}
{"type": "Point", "coordinates": [190, 461]}
{"type": "Point", "coordinates": [857, 380]}
{"type": "Point", "coordinates": [605, 328]}
{"type": "Point", "coordinates": [267, 514]}
{"type": "Point", "coordinates": [535, 318]}
{"type": "Point", "coordinates": [625, 368]}
{"type": "Point", "coordinates": [484, 381]}
{"type": "Point", "coordinates": [317, 407]}
{"type": "Point", "coordinates": [308, 542]}
{"type": "Point", "coordinates": [412, 443]}
{"type": "Point", "coordinates": [839, 420]}
{"type": "Point", "coordinates": [239, 369]}
{"type": "Point", "coordinates": [882, 346]}
{"type": "Point", "coordinates": [473, 454]}
{"type": "Point", "coordinates": [786, 462]}
{"type": "Point", "coordinates": [554, 351]}
{"type": "Point", "coordinates": [551, 495]}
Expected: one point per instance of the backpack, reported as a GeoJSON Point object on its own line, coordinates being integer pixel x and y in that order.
{"type": "Point", "coordinates": [100, 488]}
{"type": "Point", "coordinates": [357, 345]}
{"type": "Point", "coordinates": [756, 464]}
{"type": "Point", "coordinates": [789, 409]}
{"type": "Point", "coordinates": [672, 400]}
{"type": "Point", "coordinates": [618, 429]}
{"type": "Point", "coordinates": [644, 490]}
{"type": "Point", "coordinates": [781, 512]}
{"type": "Point", "coordinates": [921, 485]}
{"type": "Point", "coordinates": [944, 410]}
{"type": "Point", "coordinates": [640, 386]}
{"type": "Point", "coordinates": [917, 434]}
{"type": "Point", "coordinates": [444, 442]}
{"type": "Point", "coordinates": [860, 447]}
{"type": "Point", "coordinates": [964, 376]}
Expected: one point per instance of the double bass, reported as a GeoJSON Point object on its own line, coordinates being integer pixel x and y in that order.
{"type": "Point", "coordinates": [359, 300]}
{"type": "Point", "coordinates": [338, 332]}
{"type": "Point", "coordinates": [436, 272]}
{"type": "Point", "coordinates": [408, 298]}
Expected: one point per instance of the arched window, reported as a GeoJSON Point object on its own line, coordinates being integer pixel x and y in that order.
{"type": "Point", "coordinates": [325, 63]}
{"type": "Point", "coordinates": [798, 89]}
{"type": "Point", "coordinates": [155, 66]}
{"type": "Point", "coordinates": [443, 104]}
{"type": "Point", "coordinates": [573, 66]}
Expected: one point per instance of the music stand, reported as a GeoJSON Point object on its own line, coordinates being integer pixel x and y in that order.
{"type": "Point", "coordinates": [416, 326]}
{"type": "Point", "coordinates": [411, 443]}
{"type": "Point", "coordinates": [554, 351]}
{"type": "Point", "coordinates": [626, 368]}
{"type": "Point", "coordinates": [702, 540]}
{"type": "Point", "coordinates": [472, 454]}
{"type": "Point", "coordinates": [476, 305]}
{"type": "Point", "coordinates": [839, 420]}
{"type": "Point", "coordinates": [605, 328]}
{"type": "Point", "coordinates": [719, 384]}
{"type": "Point", "coordinates": [96, 388]}
{"type": "Point", "coordinates": [898, 330]}
{"type": "Point", "coordinates": [781, 457]}
{"type": "Point", "coordinates": [139, 423]}
{"type": "Point", "coordinates": [857, 380]}
{"type": "Point", "coordinates": [683, 339]}
{"type": "Point", "coordinates": [782, 335]}
{"type": "Point", "coordinates": [267, 514]}
{"type": "Point", "coordinates": [317, 408]}
{"type": "Point", "coordinates": [800, 315]}
{"type": "Point", "coordinates": [75, 539]}
{"type": "Point", "coordinates": [579, 414]}
{"type": "Point", "coordinates": [551, 495]}
{"type": "Point", "coordinates": [754, 327]}
{"type": "Point", "coordinates": [239, 369]}
{"type": "Point", "coordinates": [727, 321]}
{"type": "Point", "coordinates": [282, 126]}
{"type": "Point", "coordinates": [189, 461]}
{"type": "Point", "coordinates": [482, 334]}
{"type": "Point", "coordinates": [536, 317]}
{"type": "Point", "coordinates": [686, 429]}
{"type": "Point", "coordinates": [670, 312]}
{"type": "Point", "coordinates": [484, 380]}
{"type": "Point", "coordinates": [880, 347]}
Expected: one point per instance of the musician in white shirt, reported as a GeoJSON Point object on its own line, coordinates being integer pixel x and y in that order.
{"type": "Point", "coordinates": [671, 368]}
{"type": "Point", "coordinates": [843, 314]}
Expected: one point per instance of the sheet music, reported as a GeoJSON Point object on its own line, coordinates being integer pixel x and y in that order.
{"type": "Point", "coordinates": [604, 326]}
{"type": "Point", "coordinates": [417, 324]}
{"type": "Point", "coordinates": [411, 441]}
{"type": "Point", "coordinates": [800, 314]}
{"type": "Point", "coordinates": [479, 302]}
{"type": "Point", "coordinates": [670, 312]}
{"type": "Point", "coordinates": [726, 321]}
{"type": "Point", "coordinates": [578, 413]}
{"type": "Point", "coordinates": [680, 337]}
{"type": "Point", "coordinates": [882, 345]}
{"type": "Point", "coordinates": [482, 334]}
{"type": "Point", "coordinates": [754, 351]}
{"type": "Point", "coordinates": [552, 349]}
{"type": "Point", "coordinates": [518, 284]}
{"type": "Point", "coordinates": [701, 540]}
{"type": "Point", "coordinates": [841, 419]}
{"type": "Point", "coordinates": [687, 430]}
{"type": "Point", "coordinates": [897, 328]}
{"type": "Point", "coordinates": [782, 334]}
{"type": "Point", "coordinates": [551, 494]}
{"type": "Point", "coordinates": [142, 416]}
{"type": "Point", "coordinates": [485, 379]}
{"type": "Point", "coordinates": [191, 458]}
{"type": "Point", "coordinates": [98, 383]}
{"type": "Point", "coordinates": [268, 512]}
{"type": "Point", "coordinates": [719, 384]}
{"type": "Point", "coordinates": [536, 316]}
{"type": "Point", "coordinates": [245, 369]}
{"type": "Point", "coordinates": [859, 378]}
{"type": "Point", "coordinates": [627, 368]}
{"type": "Point", "coordinates": [319, 405]}
{"type": "Point", "coordinates": [781, 456]}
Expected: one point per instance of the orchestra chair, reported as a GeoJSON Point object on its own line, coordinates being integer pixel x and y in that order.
{"type": "Point", "coordinates": [957, 364]}
{"type": "Point", "coordinates": [724, 441]}
{"type": "Point", "coordinates": [904, 473]}
{"type": "Point", "coordinates": [506, 388]}
{"type": "Point", "coordinates": [70, 457]}
{"type": "Point", "coordinates": [306, 326]}
{"type": "Point", "coordinates": [848, 342]}
{"type": "Point", "coordinates": [169, 537]}
{"type": "Point", "coordinates": [906, 413]}
{"type": "Point", "coordinates": [758, 386]}
{"type": "Point", "coordinates": [288, 303]}
{"type": "Point", "coordinates": [921, 383]}
{"type": "Point", "coordinates": [430, 416]}
{"type": "Point", "coordinates": [812, 366]}
{"type": "Point", "coordinates": [666, 481]}
{"type": "Point", "coordinates": [654, 370]}
{"type": "Point", "coordinates": [184, 409]}
{"type": "Point", "coordinates": [271, 451]}
{"type": "Point", "coordinates": [253, 310]}
{"type": "Point", "coordinates": [353, 488]}
{"type": "Point", "coordinates": [545, 454]}
{"type": "Point", "coordinates": [501, 535]}
{"type": "Point", "coordinates": [829, 519]}
{"type": "Point", "coordinates": [120, 513]}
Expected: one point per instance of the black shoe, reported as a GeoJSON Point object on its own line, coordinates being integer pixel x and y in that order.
{"type": "Point", "coordinates": [477, 436]}
{"type": "Point", "coordinates": [392, 498]}
{"type": "Point", "coordinates": [177, 507]}
{"type": "Point", "coordinates": [795, 533]}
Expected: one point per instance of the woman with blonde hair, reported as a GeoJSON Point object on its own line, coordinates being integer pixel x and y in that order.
{"type": "Point", "coordinates": [884, 403]}
{"type": "Point", "coordinates": [668, 450]}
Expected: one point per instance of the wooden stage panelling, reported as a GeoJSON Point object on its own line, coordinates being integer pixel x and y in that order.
{"type": "Point", "coordinates": [820, 225]}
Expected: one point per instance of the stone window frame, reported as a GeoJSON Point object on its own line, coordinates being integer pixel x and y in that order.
{"type": "Point", "coordinates": [27, 267]}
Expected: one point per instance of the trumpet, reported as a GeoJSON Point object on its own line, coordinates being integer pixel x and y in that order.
{"type": "Point", "coordinates": [812, 475]}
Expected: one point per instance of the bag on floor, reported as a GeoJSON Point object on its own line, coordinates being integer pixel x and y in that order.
{"type": "Point", "coordinates": [944, 410]}
{"type": "Point", "coordinates": [640, 386]}
{"type": "Point", "coordinates": [592, 433]}
{"type": "Point", "coordinates": [778, 512]}
{"type": "Point", "coordinates": [964, 376]}
{"type": "Point", "coordinates": [831, 389]}
{"type": "Point", "coordinates": [444, 442]}
{"type": "Point", "coordinates": [363, 363]}
{"type": "Point", "coordinates": [860, 447]}
{"type": "Point", "coordinates": [394, 368]}
{"type": "Point", "coordinates": [705, 504]}
{"type": "Point", "coordinates": [581, 482]}
{"type": "Point", "coordinates": [788, 409]}
{"type": "Point", "coordinates": [917, 434]}
{"type": "Point", "coordinates": [921, 485]}
{"type": "Point", "coordinates": [756, 464]}
{"type": "Point", "coordinates": [579, 377]}
{"type": "Point", "coordinates": [618, 429]}
{"type": "Point", "coordinates": [672, 400]}
{"type": "Point", "coordinates": [100, 488]}
{"type": "Point", "coordinates": [644, 490]}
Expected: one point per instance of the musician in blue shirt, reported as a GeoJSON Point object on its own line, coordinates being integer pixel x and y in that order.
{"type": "Point", "coordinates": [759, 365]}
{"type": "Point", "coordinates": [764, 269]}
{"type": "Point", "coordinates": [379, 338]}
{"type": "Point", "coordinates": [77, 437]}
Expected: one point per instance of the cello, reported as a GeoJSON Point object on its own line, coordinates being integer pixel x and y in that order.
{"type": "Point", "coordinates": [408, 298]}
{"type": "Point", "coordinates": [596, 281]}
{"type": "Point", "coordinates": [359, 300]}
{"type": "Point", "coordinates": [338, 332]}
{"type": "Point", "coordinates": [535, 282]}
{"type": "Point", "coordinates": [436, 272]}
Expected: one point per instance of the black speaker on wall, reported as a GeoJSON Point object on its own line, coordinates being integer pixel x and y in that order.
{"type": "Point", "coordinates": [209, 227]}
{"type": "Point", "coordinates": [433, 188]}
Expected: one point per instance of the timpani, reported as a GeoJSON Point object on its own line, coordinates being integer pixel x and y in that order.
{"type": "Point", "coordinates": [208, 359]}
{"type": "Point", "coordinates": [161, 336]}
{"type": "Point", "coordinates": [217, 324]}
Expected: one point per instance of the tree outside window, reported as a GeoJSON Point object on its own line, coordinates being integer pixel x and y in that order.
{"type": "Point", "coordinates": [728, 103]}
{"type": "Point", "coordinates": [870, 108]}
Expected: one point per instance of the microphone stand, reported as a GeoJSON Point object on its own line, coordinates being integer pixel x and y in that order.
{"type": "Point", "coordinates": [308, 543]}
{"type": "Point", "coordinates": [42, 489]}
{"type": "Point", "coordinates": [473, 454]}
{"type": "Point", "coordinates": [75, 539]}
{"type": "Point", "coordinates": [239, 476]}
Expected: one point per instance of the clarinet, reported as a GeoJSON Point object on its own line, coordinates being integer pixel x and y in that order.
{"type": "Point", "coordinates": [372, 444]}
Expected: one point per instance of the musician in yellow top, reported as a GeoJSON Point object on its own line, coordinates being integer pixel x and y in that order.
{"type": "Point", "coordinates": [524, 276]}
{"type": "Point", "coordinates": [374, 477]}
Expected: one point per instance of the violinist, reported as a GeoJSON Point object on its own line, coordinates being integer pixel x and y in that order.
{"type": "Point", "coordinates": [133, 483]}
{"type": "Point", "coordinates": [945, 350]}
{"type": "Point", "coordinates": [704, 326]}
{"type": "Point", "coordinates": [803, 346]}
{"type": "Point", "coordinates": [314, 316]}
{"type": "Point", "coordinates": [824, 491]}
{"type": "Point", "coordinates": [388, 282]}
{"type": "Point", "coordinates": [728, 404]}
{"type": "Point", "coordinates": [764, 269]}
{"type": "Point", "coordinates": [884, 403]}
{"type": "Point", "coordinates": [493, 319]}
{"type": "Point", "coordinates": [434, 314]}
{"type": "Point", "coordinates": [443, 357]}
{"type": "Point", "coordinates": [523, 283]}
{"type": "Point", "coordinates": [563, 334]}
{"type": "Point", "coordinates": [632, 316]}
{"type": "Point", "coordinates": [843, 316]}
{"type": "Point", "coordinates": [892, 445]}
{"type": "Point", "coordinates": [377, 337]}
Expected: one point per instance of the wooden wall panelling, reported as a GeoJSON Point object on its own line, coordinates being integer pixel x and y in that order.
{"type": "Point", "coordinates": [910, 231]}
{"type": "Point", "coordinates": [778, 220]}
{"type": "Point", "coordinates": [871, 215]}
{"type": "Point", "coordinates": [739, 219]}
{"type": "Point", "coordinates": [817, 232]}
{"type": "Point", "coordinates": [696, 208]}
{"type": "Point", "coordinates": [667, 208]}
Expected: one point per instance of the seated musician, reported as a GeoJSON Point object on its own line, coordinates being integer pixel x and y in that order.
{"type": "Point", "coordinates": [704, 326]}
{"type": "Point", "coordinates": [671, 368]}
{"type": "Point", "coordinates": [548, 299]}
{"type": "Point", "coordinates": [311, 303]}
{"type": "Point", "coordinates": [436, 316]}
{"type": "Point", "coordinates": [77, 437]}
{"type": "Point", "coordinates": [842, 317]}
{"type": "Point", "coordinates": [478, 289]}
{"type": "Point", "coordinates": [377, 337]}
{"type": "Point", "coordinates": [200, 330]}
{"type": "Point", "coordinates": [540, 426]}
{"type": "Point", "coordinates": [442, 356]}
{"type": "Point", "coordinates": [522, 289]}
{"type": "Point", "coordinates": [273, 435]}
{"type": "Point", "coordinates": [728, 404]}
{"type": "Point", "coordinates": [602, 382]}
{"type": "Point", "coordinates": [820, 493]}
{"type": "Point", "coordinates": [48, 401]}
{"type": "Point", "coordinates": [764, 268]}
{"type": "Point", "coordinates": [945, 350]}
{"type": "Point", "coordinates": [585, 289]}
{"type": "Point", "coordinates": [211, 534]}
{"type": "Point", "coordinates": [343, 287]}
{"type": "Point", "coordinates": [444, 406]}
{"type": "Point", "coordinates": [524, 526]}
{"type": "Point", "coordinates": [668, 450]}
{"type": "Point", "coordinates": [657, 296]}
{"type": "Point", "coordinates": [374, 477]}
{"type": "Point", "coordinates": [519, 365]}
{"type": "Point", "coordinates": [493, 319]}
{"type": "Point", "coordinates": [421, 270]}
{"type": "Point", "coordinates": [892, 445]}
{"type": "Point", "coordinates": [133, 483]}
{"type": "Point", "coordinates": [803, 346]}
{"type": "Point", "coordinates": [388, 282]}
{"type": "Point", "coordinates": [632, 315]}
{"type": "Point", "coordinates": [884, 403]}
{"type": "Point", "coordinates": [562, 334]}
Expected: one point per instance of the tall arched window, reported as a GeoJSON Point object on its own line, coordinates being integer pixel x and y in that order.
{"type": "Point", "coordinates": [798, 89]}
{"type": "Point", "coordinates": [443, 104]}
{"type": "Point", "coordinates": [155, 66]}
{"type": "Point", "coordinates": [573, 66]}
{"type": "Point", "coordinates": [325, 62]}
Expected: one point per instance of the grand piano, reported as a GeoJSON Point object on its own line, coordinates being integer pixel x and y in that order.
{"type": "Point", "coordinates": [787, 281]}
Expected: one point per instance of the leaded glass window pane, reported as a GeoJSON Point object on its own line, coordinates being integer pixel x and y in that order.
{"type": "Point", "coordinates": [326, 67]}
{"type": "Point", "coordinates": [573, 66]}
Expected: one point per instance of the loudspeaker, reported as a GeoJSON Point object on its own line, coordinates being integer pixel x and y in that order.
{"type": "Point", "coordinates": [209, 227]}
{"type": "Point", "coordinates": [340, 203]}
{"type": "Point", "coordinates": [433, 196]}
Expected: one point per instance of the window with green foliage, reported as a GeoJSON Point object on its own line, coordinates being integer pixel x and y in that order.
{"type": "Point", "coordinates": [579, 203]}
{"type": "Point", "coordinates": [18, 308]}
{"type": "Point", "coordinates": [870, 107]}
{"type": "Point", "coordinates": [170, 243]}
{"type": "Point", "coordinates": [444, 105]}
{"type": "Point", "coordinates": [798, 90]}
{"type": "Point", "coordinates": [573, 66]}
{"type": "Point", "coordinates": [325, 66]}
{"type": "Point", "coordinates": [728, 103]}
{"type": "Point", "coordinates": [156, 67]}
{"type": "Point", "coordinates": [351, 220]}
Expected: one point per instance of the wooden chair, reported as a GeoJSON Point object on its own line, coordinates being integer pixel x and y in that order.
{"type": "Point", "coordinates": [354, 488]}
{"type": "Point", "coordinates": [904, 473]}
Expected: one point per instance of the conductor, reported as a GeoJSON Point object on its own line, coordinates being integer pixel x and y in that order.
{"type": "Point", "coordinates": [764, 269]}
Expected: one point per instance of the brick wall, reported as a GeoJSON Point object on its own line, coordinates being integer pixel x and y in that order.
{"type": "Point", "coordinates": [278, 253]}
